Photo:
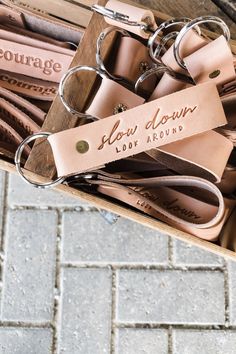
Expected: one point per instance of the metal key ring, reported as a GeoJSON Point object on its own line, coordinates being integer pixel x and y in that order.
{"type": "Point", "coordinates": [61, 89]}
{"type": "Point", "coordinates": [18, 154]}
{"type": "Point", "coordinates": [164, 40]}
{"type": "Point", "coordinates": [157, 69]}
{"type": "Point", "coordinates": [197, 21]}
{"type": "Point", "coordinates": [100, 40]}
{"type": "Point", "coordinates": [118, 16]}
{"type": "Point", "coordinates": [161, 69]}
{"type": "Point", "coordinates": [163, 26]}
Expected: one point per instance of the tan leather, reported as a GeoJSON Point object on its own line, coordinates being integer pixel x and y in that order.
{"type": "Point", "coordinates": [213, 62]}
{"type": "Point", "coordinates": [158, 197]}
{"type": "Point", "coordinates": [8, 16]}
{"type": "Point", "coordinates": [11, 35]}
{"type": "Point", "coordinates": [34, 62]}
{"type": "Point", "coordinates": [59, 45]}
{"type": "Point", "coordinates": [139, 129]}
{"type": "Point", "coordinates": [227, 237]}
{"type": "Point", "coordinates": [229, 130]}
{"type": "Point", "coordinates": [17, 119]}
{"type": "Point", "coordinates": [132, 59]}
{"type": "Point", "coordinates": [28, 87]}
{"type": "Point", "coordinates": [109, 96]}
{"type": "Point", "coordinates": [167, 85]}
{"type": "Point", "coordinates": [11, 138]}
{"type": "Point", "coordinates": [190, 156]}
{"type": "Point", "coordinates": [228, 183]}
{"type": "Point", "coordinates": [134, 13]}
{"type": "Point", "coordinates": [36, 114]}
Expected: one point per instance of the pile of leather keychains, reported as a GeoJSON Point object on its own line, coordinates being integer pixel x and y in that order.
{"type": "Point", "coordinates": [158, 137]}
{"type": "Point", "coordinates": [32, 65]}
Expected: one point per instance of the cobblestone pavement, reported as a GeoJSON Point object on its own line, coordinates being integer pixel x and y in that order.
{"type": "Point", "coordinates": [71, 283]}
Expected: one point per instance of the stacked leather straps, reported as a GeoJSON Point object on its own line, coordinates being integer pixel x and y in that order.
{"type": "Point", "coordinates": [160, 139]}
{"type": "Point", "coordinates": [32, 63]}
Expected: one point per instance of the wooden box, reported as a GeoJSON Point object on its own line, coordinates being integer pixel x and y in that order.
{"type": "Point", "coordinates": [40, 163]}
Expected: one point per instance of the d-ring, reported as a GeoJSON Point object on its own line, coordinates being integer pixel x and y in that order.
{"type": "Point", "coordinates": [118, 16]}
{"type": "Point", "coordinates": [62, 88]}
{"type": "Point", "coordinates": [161, 69]}
{"type": "Point", "coordinates": [100, 40]}
{"type": "Point", "coordinates": [192, 24]}
{"type": "Point", "coordinates": [18, 159]}
{"type": "Point", "coordinates": [163, 26]}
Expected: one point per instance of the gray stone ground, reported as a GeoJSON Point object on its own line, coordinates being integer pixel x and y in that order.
{"type": "Point", "coordinates": [71, 283]}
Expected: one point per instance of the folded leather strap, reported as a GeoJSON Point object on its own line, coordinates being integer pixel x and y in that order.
{"type": "Point", "coordinates": [34, 62]}
{"type": "Point", "coordinates": [112, 98]}
{"type": "Point", "coordinates": [228, 182]}
{"type": "Point", "coordinates": [228, 234]}
{"type": "Point", "coordinates": [9, 16]}
{"type": "Point", "coordinates": [136, 130]}
{"type": "Point", "coordinates": [10, 139]}
{"type": "Point", "coordinates": [166, 86]}
{"type": "Point", "coordinates": [7, 34]}
{"type": "Point", "coordinates": [28, 87]}
{"type": "Point", "coordinates": [134, 14]}
{"type": "Point", "coordinates": [132, 60]}
{"type": "Point", "coordinates": [25, 106]}
{"type": "Point", "coordinates": [41, 37]}
{"type": "Point", "coordinates": [191, 156]}
{"type": "Point", "coordinates": [190, 43]}
{"type": "Point", "coordinates": [213, 62]}
{"type": "Point", "coordinates": [155, 196]}
{"type": "Point", "coordinates": [229, 130]}
{"type": "Point", "coordinates": [17, 119]}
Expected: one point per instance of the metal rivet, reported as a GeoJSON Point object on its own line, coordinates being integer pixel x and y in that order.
{"type": "Point", "coordinates": [214, 74]}
{"type": "Point", "coordinates": [82, 146]}
{"type": "Point", "coordinates": [143, 66]}
{"type": "Point", "coordinates": [120, 107]}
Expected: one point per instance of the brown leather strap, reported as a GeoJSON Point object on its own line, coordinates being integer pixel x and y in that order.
{"type": "Point", "coordinates": [28, 87]}
{"type": "Point", "coordinates": [35, 113]}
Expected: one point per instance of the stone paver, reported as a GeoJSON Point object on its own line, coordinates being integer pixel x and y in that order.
{"type": "Point", "coordinates": [140, 341]}
{"type": "Point", "coordinates": [204, 342]}
{"type": "Point", "coordinates": [16, 340]}
{"type": "Point", "coordinates": [232, 292]}
{"type": "Point", "coordinates": [109, 286]}
{"type": "Point", "coordinates": [186, 254]}
{"type": "Point", "coordinates": [21, 193]}
{"type": "Point", "coordinates": [171, 297]}
{"type": "Point", "coordinates": [2, 191]}
{"type": "Point", "coordinates": [29, 268]}
{"type": "Point", "coordinates": [92, 239]}
{"type": "Point", "coordinates": [86, 311]}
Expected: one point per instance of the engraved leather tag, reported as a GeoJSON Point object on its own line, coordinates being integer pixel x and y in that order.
{"type": "Point", "coordinates": [34, 62]}
{"type": "Point", "coordinates": [162, 121]}
{"type": "Point", "coordinates": [28, 86]}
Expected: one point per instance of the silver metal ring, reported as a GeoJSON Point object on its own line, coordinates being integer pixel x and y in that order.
{"type": "Point", "coordinates": [157, 69]}
{"type": "Point", "coordinates": [18, 160]}
{"type": "Point", "coordinates": [162, 69]}
{"type": "Point", "coordinates": [100, 40]}
{"type": "Point", "coordinates": [73, 45]}
{"type": "Point", "coordinates": [163, 26]}
{"type": "Point", "coordinates": [118, 16]}
{"type": "Point", "coordinates": [61, 89]}
{"type": "Point", "coordinates": [197, 21]}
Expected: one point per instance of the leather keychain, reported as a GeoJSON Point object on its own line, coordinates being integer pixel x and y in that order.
{"type": "Point", "coordinates": [136, 130]}
{"type": "Point", "coordinates": [159, 198]}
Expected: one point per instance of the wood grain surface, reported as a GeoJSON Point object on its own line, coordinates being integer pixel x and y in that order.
{"type": "Point", "coordinates": [195, 8]}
